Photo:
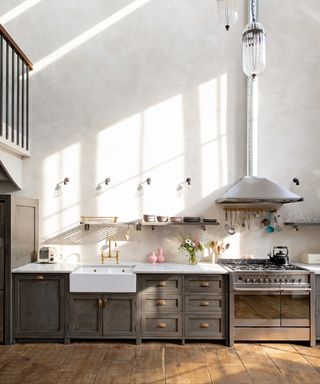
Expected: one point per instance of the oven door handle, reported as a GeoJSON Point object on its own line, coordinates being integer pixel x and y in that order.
{"type": "Point", "coordinates": [296, 290]}
{"type": "Point", "coordinates": [276, 290]}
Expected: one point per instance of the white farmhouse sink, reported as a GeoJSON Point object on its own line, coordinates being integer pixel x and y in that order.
{"type": "Point", "coordinates": [103, 278]}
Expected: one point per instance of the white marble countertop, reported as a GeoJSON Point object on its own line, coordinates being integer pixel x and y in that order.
{"type": "Point", "coordinates": [139, 267]}
{"type": "Point", "coordinates": [310, 267]}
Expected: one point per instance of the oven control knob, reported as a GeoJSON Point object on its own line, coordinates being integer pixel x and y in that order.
{"type": "Point", "coordinates": [293, 280]}
{"type": "Point", "coordinates": [299, 281]}
{"type": "Point", "coordinates": [287, 280]}
{"type": "Point", "coordinates": [254, 280]}
{"type": "Point", "coordinates": [281, 280]}
{"type": "Point", "coordinates": [240, 278]}
{"type": "Point", "coordinates": [260, 280]}
{"type": "Point", "coordinates": [247, 280]}
{"type": "Point", "coordinates": [266, 280]}
{"type": "Point", "coordinates": [270, 280]}
{"type": "Point", "coordinates": [276, 280]}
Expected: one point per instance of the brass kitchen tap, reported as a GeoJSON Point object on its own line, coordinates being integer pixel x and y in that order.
{"type": "Point", "coordinates": [116, 256]}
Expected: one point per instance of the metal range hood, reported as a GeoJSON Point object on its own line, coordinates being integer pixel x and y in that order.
{"type": "Point", "coordinates": [251, 190]}
{"type": "Point", "coordinates": [258, 191]}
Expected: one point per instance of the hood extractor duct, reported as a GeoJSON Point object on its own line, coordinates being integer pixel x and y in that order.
{"type": "Point", "coordinates": [252, 190]}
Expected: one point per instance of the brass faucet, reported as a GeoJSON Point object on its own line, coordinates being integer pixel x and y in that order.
{"type": "Point", "coordinates": [116, 256]}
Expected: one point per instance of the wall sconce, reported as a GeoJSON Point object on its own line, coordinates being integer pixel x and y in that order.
{"type": "Point", "coordinates": [140, 190]}
{"type": "Point", "coordinates": [58, 188]}
{"type": "Point", "coordinates": [106, 182]}
{"type": "Point", "coordinates": [182, 187]}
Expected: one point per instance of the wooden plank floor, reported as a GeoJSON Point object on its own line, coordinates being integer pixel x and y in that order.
{"type": "Point", "coordinates": [159, 363]}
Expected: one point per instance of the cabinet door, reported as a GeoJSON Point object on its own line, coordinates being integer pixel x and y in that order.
{"type": "Point", "coordinates": [39, 305]}
{"type": "Point", "coordinates": [85, 315]}
{"type": "Point", "coordinates": [2, 207]}
{"type": "Point", "coordinates": [1, 317]}
{"type": "Point", "coordinates": [119, 315]}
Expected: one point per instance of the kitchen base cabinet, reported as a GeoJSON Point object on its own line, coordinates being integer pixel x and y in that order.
{"type": "Point", "coordinates": [85, 315]}
{"type": "Point", "coordinates": [182, 306]}
{"type": "Point", "coordinates": [317, 306]}
{"type": "Point", "coordinates": [39, 306]}
{"type": "Point", "coordinates": [102, 315]}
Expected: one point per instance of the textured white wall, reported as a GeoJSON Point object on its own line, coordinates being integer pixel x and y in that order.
{"type": "Point", "coordinates": [134, 89]}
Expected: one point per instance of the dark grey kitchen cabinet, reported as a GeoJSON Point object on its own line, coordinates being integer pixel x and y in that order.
{"type": "Point", "coordinates": [39, 306]}
{"type": "Point", "coordinates": [18, 246]}
{"type": "Point", "coordinates": [182, 306]}
{"type": "Point", "coordinates": [85, 315]}
{"type": "Point", "coordinates": [102, 315]}
{"type": "Point", "coordinates": [317, 306]}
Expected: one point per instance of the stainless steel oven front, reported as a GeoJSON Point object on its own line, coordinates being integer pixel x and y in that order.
{"type": "Point", "coordinates": [272, 307]}
{"type": "Point", "coordinates": [269, 307]}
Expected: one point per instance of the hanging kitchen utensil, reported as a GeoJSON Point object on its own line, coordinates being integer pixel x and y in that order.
{"type": "Point", "coordinates": [226, 225]}
{"type": "Point", "coordinates": [270, 228]}
{"type": "Point", "coordinates": [276, 221]}
{"type": "Point", "coordinates": [231, 230]}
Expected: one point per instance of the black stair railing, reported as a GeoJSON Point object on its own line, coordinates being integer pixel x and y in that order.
{"type": "Point", "coordinates": [14, 93]}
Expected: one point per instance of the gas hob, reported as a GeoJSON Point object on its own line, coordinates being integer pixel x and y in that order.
{"type": "Point", "coordinates": [256, 273]}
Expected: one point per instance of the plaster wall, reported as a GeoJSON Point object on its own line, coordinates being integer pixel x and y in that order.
{"type": "Point", "coordinates": [154, 88]}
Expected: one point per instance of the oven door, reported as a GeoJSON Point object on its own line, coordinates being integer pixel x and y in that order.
{"type": "Point", "coordinates": [295, 307]}
{"type": "Point", "coordinates": [257, 307]}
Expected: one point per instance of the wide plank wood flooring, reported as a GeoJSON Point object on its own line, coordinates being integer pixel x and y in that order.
{"type": "Point", "coordinates": [159, 363]}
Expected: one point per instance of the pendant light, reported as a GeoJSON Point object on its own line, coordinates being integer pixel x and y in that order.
{"type": "Point", "coordinates": [227, 13]}
{"type": "Point", "coordinates": [253, 45]}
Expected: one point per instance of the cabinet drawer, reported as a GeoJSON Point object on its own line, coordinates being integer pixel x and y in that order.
{"type": "Point", "coordinates": [161, 284]}
{"type": "Point", "coordinates": [211, 326]}
{"type": "Point", "coordinates": [161, 326]}
{"type": "Point", "coordinates": [204, 304]}
{"type": "Point", "coordinates": [208, 284]}
{"type": "Point", "coordinates": [159, 303]}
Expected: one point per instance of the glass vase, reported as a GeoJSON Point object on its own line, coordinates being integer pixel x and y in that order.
{"type": "Point", "coordinates": [194, 257]}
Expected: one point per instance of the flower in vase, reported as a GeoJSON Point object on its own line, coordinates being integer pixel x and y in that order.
{"type": "Point", "coordinates": [192, 246]}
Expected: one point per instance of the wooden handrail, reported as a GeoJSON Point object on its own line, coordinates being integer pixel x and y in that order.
{"type": "Point", "coordinates": [15, 47]}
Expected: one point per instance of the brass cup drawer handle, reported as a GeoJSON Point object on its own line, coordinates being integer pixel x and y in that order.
{"type": "Point", "coordinates": [100, 303]}
{"type": "Point", "coordinates": [204, 303]}
{"type": "Point", "coordinates": [105, 301]}
{"type": "Point", "coordinates": [161, 325]}
{"type": "Point", "coordinates": [161, 303]}
{"type": "Point", "coordinates": [162, 284]}
{"type": "Point", "coordinates": [204, 285]}
{"type": "Point", "coordinates": [204, 325]}
{"type": "Point", "coordinates": [39, 277]}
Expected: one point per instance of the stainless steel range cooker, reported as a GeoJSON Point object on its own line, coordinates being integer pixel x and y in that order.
{"type": "Point", "coordinates": [270, 302]}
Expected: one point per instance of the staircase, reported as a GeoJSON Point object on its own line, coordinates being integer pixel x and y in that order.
{"type": "Point", "coordinates": [14, 111]}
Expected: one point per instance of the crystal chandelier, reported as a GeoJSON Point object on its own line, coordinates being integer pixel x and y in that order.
{"type": "Point", "coordinates": [227, 13]}
{"type": "Point", "coordinates": [253, 45]}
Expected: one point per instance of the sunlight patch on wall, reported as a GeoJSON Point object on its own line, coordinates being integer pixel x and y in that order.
{"type": "Point", "coordinates": [213, 123]}
{"type": "Point", "coordinates": [61, 210]}
{"type": "Point", "coordinates": [163, 153]}
{"type": "Point", "coordinates": [18, 10]}
{"type": "Point", "coordinates": [118, 157]}
{"type": "Point", "coordinates": [87, 35]}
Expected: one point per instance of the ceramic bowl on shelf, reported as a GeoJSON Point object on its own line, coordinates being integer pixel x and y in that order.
{"type": "Point", "coordinates": [176, 219]}
{"type": "Point", "coordinates": [149, 218]}
{"type": "Point", "coordinates": [162, 219]}
{"type": "Point", "coordinates": [191, 219]}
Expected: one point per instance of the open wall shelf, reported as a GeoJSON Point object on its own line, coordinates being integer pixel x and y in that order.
{"type": "Point", "coordinates": [298, 224]}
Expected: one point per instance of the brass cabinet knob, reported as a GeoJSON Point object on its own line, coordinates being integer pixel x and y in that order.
{"type": "Point", "coordinates": [100, 303]}
{"type": "Point", "coordinates": [39, 277]}
{"type": "Point", "coordinates": [162, 284]}
{"type": "Point", "coordinates": [161, 325]}
{"type": "Point", "coordinates": [161, 302]}
{"type": "Point", "coordinates": [204, 284]}
{"type": "Point", "coordinates": [204, 303]}
{"type": "Point", "coordinates": [204, 325]}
